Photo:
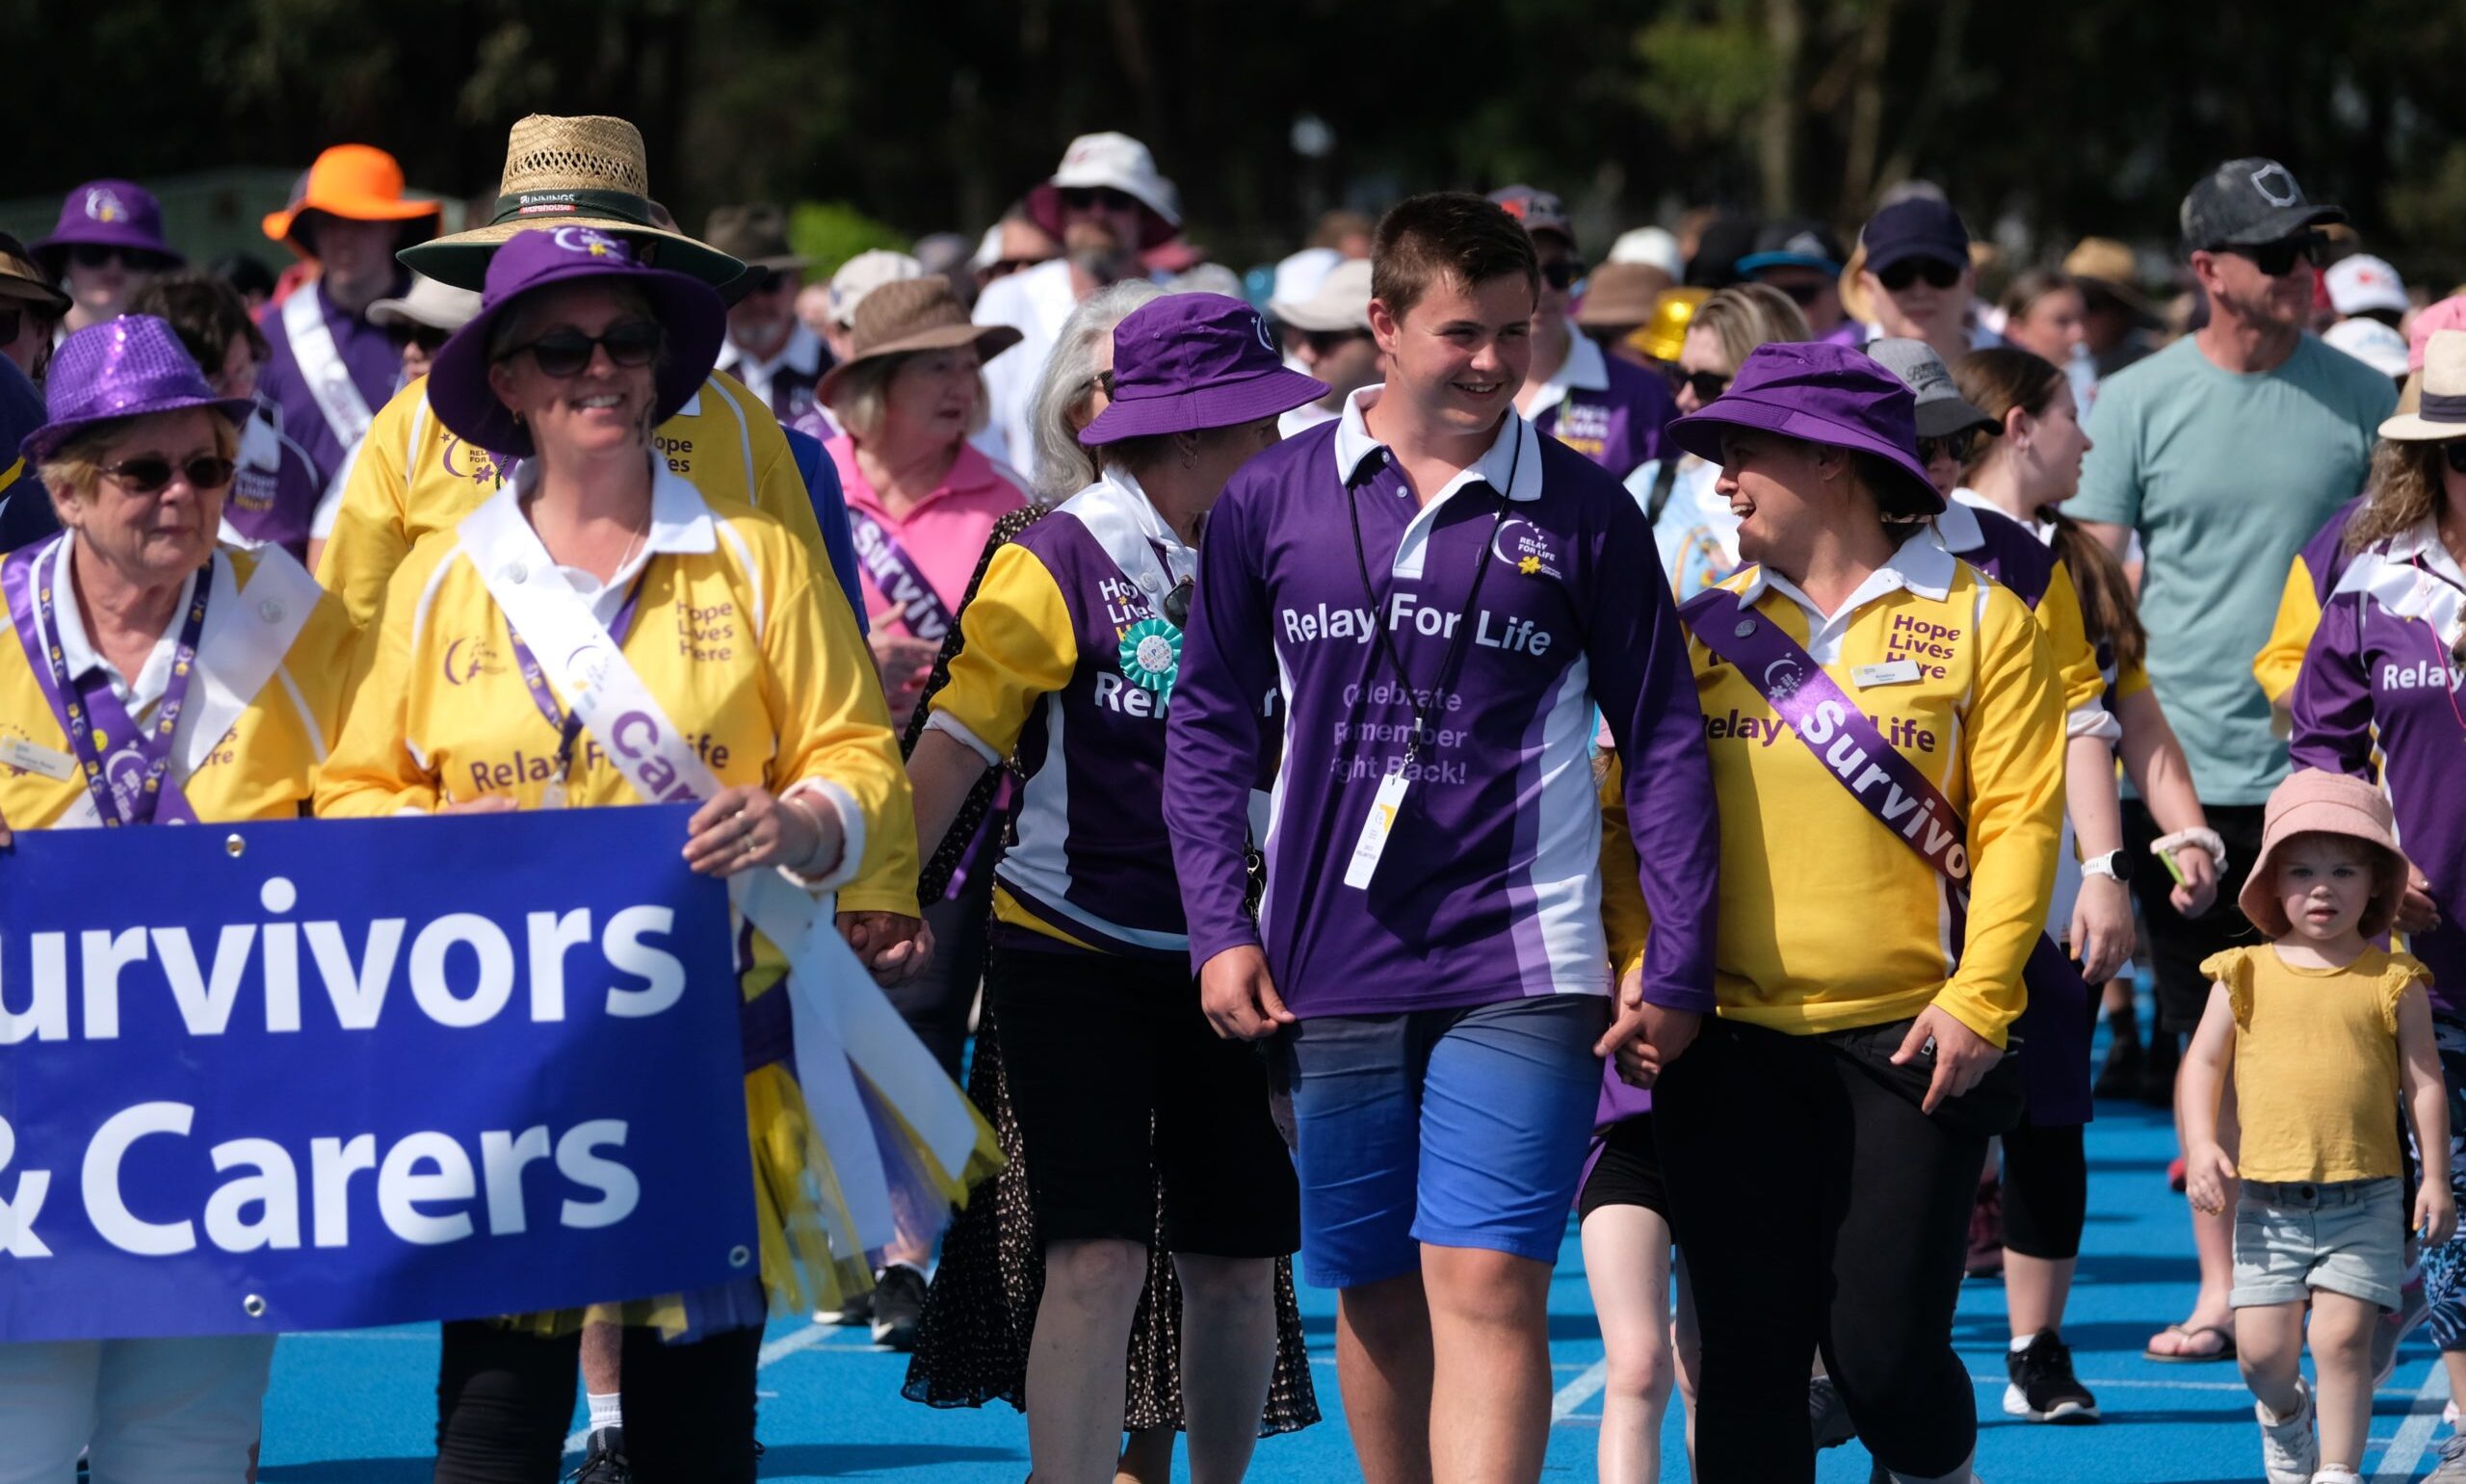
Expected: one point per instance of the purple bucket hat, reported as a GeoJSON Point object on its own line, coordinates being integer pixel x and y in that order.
{"type": "Point", "coordinates": [687, 308]}
{"type": "Point", "coordinates": [1189, 361]}
{"type": "Point", "coordinates": [129, 367]}
{"type": "Point", "coordinates": [106, 214]}
{"type": "Point", "coordinates": [1817, 393]}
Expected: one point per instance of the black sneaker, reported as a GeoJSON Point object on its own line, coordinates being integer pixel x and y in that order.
{"type": "Point", "coordinates": [1827, 1415]}
{"type": "Point", "coordinates": [2044, 1389]}
{"type": "Point", "coordinates": [899, 1303]}
{"type": "Point", "coordinates": [603, 1460]}
{"type": "Point", "coordinates": [856, 1314]}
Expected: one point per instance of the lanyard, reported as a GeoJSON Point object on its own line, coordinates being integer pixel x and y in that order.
{"type": "Point", "coordinates": [569, 726]}
{"type": "Point", "coordinates": [1463, 626]}
{"type": "Point", "coordinates": [155, 748]}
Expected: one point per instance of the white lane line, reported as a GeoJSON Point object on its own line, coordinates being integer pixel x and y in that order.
{"type": "Point", "coordinates": [778, 1349]}
{"type": "Point", "coordinates": [1583, 1388]}
{"type": "Point", "coordinates": [2414, 1435]}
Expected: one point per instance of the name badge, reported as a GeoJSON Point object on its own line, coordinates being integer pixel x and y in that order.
{"type": "Point", "coordinates": [1372, 843]}
{"type": "Point", "coordinates": [1897, 672]}
{"type": "Point", "coordinates": [30, 757]}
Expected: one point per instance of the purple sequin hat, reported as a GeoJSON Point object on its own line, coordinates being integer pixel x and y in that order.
{"type": "Point", "coordinates": [106, 214]}
{"type": "Point", "coordinates": [129, 367]}
{"type": "Point", "coordinates": [687, 308]}
{"type": "Point", "coordinates": [1189, 361]}
{"type": "Point", "coordinates": [1817, 393]}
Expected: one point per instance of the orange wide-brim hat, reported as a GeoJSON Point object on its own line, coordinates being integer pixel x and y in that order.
{"type": "Point", "coordinates": [355, 182]}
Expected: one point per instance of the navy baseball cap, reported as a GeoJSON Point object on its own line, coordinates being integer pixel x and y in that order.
{"type": "Point", "coordinates": [1793, 244]}
{"type": "Point", "coordinates": [1916, 227]}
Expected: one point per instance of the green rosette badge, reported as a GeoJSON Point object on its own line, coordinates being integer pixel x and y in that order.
{"type": "Point", "coordinates": [1151, 655]}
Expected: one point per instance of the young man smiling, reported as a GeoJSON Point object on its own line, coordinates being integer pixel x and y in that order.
{"type": "Point", "coordinates": [1439, 596]}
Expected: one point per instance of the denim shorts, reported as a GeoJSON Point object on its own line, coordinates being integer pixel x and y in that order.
{"type": "Point", "coordinates": [2347, 1236]}
{"type": "Point", "coordinates": [1463, 1128]}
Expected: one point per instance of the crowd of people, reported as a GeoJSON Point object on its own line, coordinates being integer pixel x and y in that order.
{"type": "Point", "coordinates": [1797, 682]}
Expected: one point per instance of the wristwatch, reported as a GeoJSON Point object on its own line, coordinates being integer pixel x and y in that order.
{"type": "Point", "coordinates": [2110, 866]}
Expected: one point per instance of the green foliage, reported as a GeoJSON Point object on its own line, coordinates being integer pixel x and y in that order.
{"type": "Point", "coordinates": [1703, 77]}
{"type": "Point", "coordinates": [831, 232]}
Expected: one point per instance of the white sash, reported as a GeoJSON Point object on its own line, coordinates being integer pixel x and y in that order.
{"type": "Point", "coordinates": [844, 1025]}
{"type": "Point", "coordinates": [2406, 590]}
{"type": "Point", "coordinates": [322, 368]}
{"type": "Point", "coordinates": [1117, 513]}
{"type": "Point", "coordinates": [246, 636]}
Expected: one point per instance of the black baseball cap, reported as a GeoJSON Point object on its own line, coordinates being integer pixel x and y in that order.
{"type": "Point", "coordinates": [1795, 243]}
{"type": "Point", "coordinates": [2249, 202]}
{"type": "Point", "coordinates": [1916, 227]}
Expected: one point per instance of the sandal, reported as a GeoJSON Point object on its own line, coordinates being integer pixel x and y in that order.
{"type": "Point", "coordinates": [2225, 1350]}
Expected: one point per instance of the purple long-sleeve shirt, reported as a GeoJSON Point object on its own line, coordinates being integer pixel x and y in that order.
{"type": "Point", "coordinates": [1488, 888]}
{"type": "Point", "coordinates": [2380, 671]}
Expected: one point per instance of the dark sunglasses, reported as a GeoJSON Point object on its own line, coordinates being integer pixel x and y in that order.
{"type": "Point", "coordinates": [566, 353]}
{"type": "Point", "coordinates": [1955, 446]}
{"type": "Point", "coordinates": [1908, 270]}
{"type": "Point", "coordinates": [11, 323]}
{"type": "Point", "coordinates": [150, 473]}
{"type": "Point", "coordinates": [1327, 342]}
{"type": "Point", "coordinates": [1004, 268]}
{"type": "Point", "coordinates": [1708, 384]}
{"type": "Point", "coordinates": [1083, 197]}
{"type": "Point", "coordinates": [1559, 273]}
{"type": "Point", "coordinates": [2454, 451]}
{"type": "Point", "coordinates": [2277, 259]}
{"type": "Point", "coordinates": [1802, 292]}
{"type": "Point", "coordinates": [427, 337]}
{"type": "Point", "coordinates": [758, 279]}
{"type": "Point", "coordinates": [1177, 603]}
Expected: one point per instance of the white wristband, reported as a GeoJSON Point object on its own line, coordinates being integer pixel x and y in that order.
{"type": "Point", "coordinates": [2207, 839]}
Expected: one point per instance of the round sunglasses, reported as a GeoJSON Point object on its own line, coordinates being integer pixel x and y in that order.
{"type": "Point", "coordinates": [566, 353]}
{"type": "Point", "coordinates": [150, 474]}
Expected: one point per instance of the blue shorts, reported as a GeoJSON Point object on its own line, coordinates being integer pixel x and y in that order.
{"type": "Point", "coordinates": [1457, 1128]}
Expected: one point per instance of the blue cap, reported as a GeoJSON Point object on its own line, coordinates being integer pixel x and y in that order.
{"type": "Point", "coordinates": [1918, 228]}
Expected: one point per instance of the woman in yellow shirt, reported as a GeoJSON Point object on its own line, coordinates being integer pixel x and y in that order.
{"type": "Point", "coordinates": [600, 633]}
{"type": "Point", "coordinates": [110, 627]}
{"type": "Point", "coordinates": [1886, 735]}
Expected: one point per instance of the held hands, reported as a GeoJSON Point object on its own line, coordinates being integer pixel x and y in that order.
{"type": "Point", "coordinates": [1645, 1037]}
{"type": "Point", "coordinates": [2101, 934]}
{"type": "Point", "coordinates": [903, 664]}
{"type": "Point", "coordinates": [1238, 997]}
{"type": "Point", "coordinates": [2418, 913]}
{"type": "Point", "coordinates": [2207, 1170]}
{"type": "Point", "coordinates": [741, 827]}
{"type": "Point", "coordinates": [2197, 892]}
{"type": "Point", "coordinates": [2435, 1214]}
{"type": "Point", "coordinates": [1962, 1056]}
{"type": "Point", "coordinates": [893, 948]}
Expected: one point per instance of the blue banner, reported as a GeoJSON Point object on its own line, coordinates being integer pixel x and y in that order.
{"type": "Point", "coordinates": [321, 1074]}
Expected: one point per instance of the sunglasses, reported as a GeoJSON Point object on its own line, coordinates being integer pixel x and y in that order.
{"type": "Point", "coordinates": [1558, 272]}
{"type": "Point", "coordinates": [1087, 198]}
{"type": "Point", "coordinates": [1955, 446]}
{"type": "Point", "coordinates": [566, 353]}
{"type": "Point", "coordinates": [1004, 268]}
{"type": "Point", "coordinates": [1708, 384]}
{"type": "Point", "coordinates": [2277, 259]}
{"type": "Point", "coordinates": [427, 337]}
{"type": "Point", "coordinates": [1177, 603]}
{"type": "Point", "coordinates": [1802, 293]}
{"type": "Point", "coordinates": [152, 473]}
{"type": "Point", "coordinates": [1908, 270]}
{"type": "Point", "coordinates": [2454, 451]}
{"type": "Point", "coordinates": [87, 255]}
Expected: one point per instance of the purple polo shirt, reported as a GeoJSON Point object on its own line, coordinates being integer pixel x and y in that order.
{"type": "Point", "coordinates": [275, 491]}
{"type": "Point", "coordinates": [366, 350]}
{"type": "Point", "coordinates": [2380, 671]}
{"type": "Point", "coordinates": [1611, 411]}
{"type": "Point", "coordinates": [1489, 887]}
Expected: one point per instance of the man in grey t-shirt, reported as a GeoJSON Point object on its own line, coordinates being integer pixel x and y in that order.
{"type": "Point", "coordinates": [2225, 453]}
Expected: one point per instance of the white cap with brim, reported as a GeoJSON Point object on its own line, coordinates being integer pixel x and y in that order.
{"type": "Point", "coordinates": [431, 304]}
{"type": "Point", "coordinates": [2442, 415]}
{"type": "Point", "coordinates": [1342, 302]}
{"type": "Point", "coordinates": [2371, 342]}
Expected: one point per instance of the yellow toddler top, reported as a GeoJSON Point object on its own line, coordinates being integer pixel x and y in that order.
{"type": "Point", "coordinates": [2316, 1063]}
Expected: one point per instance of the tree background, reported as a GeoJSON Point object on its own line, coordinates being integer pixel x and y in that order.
{"type": "Point", "coordinates": [2042, 122]}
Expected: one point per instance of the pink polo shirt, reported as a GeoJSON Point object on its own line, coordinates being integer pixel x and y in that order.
{"type": "Point", "coordinates": [946, 531]}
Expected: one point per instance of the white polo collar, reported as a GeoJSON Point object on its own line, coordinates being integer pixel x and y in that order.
{"type": "Point", "coordinates": [681, 523]}
{"type": "Point", "coordinates": [135, 695]}
{"type": "Point", "coordinates": [2422, 542]}
{"type": "Point", "coordinates": [1585, 370]}
{"type": "Point", "coordinates": [801, 354]}
{"type": "Point", "coordinates": [1921, 565]}
{"type": "Point", "coordinates": [1516, 451]}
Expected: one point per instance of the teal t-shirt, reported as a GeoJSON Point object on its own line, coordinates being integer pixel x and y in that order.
{"type": "Point", "coordinates": [2225, 476]}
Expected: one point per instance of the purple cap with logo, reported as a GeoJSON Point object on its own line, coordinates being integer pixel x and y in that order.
{"type": "Point", "coordinates": [1817, 393]}
{"type": "Point", "coordinates": [688, 309]}
{"type": "Point", "coordinates": [1189, 361]}
{"type": "Point", "coordinates": [106, 214]}
{"type": "Point", "coordinates": [127, 367]}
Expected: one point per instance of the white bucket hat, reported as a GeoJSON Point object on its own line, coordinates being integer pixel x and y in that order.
{"type": "Point", "coordinates": [2442, 415]}
{"type": "Point", "coordinates": [1111, 162]}
{"type": "Point", "coordinates": [1342, 302]}
{"type": "Point", "coordinates": [430, 304]}
{"type": "Point", "coordinates": [865, 273]}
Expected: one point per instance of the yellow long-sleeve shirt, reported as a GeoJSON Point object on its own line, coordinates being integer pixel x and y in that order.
{"type": "Point", "coordinates": [1827, 920]}
{"type": "Point", "coordinates": [769, 682]}
{"type": "Point", "coordinates": [265, 765]}
{"type": "Point", "coordinates": [412, 476]}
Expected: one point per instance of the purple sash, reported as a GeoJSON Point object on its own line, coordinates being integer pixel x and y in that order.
{"type": "Point", "coordinates": [896, 577]}
{"type": "Point", "coordinates": [127, 768]}
{"type": "Point", "coordinates": [1904, 800]}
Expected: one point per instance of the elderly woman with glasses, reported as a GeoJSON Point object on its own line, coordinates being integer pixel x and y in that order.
{"type": "Point", "coordinates": [148, 678]}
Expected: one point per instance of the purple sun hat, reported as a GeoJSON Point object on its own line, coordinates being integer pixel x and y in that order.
{"type": "Point", "coordinates": [1187, 361]}
{"type": "Point", "coordinates": [127, 367]}
{"type": "Point", "coordinates": [1817, 393]}
{"type": "Point", "coordinates": [687, 308]}
{"type": "Point", "coordinates": [106, 214]}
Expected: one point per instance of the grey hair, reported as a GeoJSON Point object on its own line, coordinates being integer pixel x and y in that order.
{"type": "Point", "coordinates": [1063, 467]}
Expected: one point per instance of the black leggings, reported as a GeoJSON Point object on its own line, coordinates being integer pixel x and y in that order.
{"type": "Point", "coordinates": [505, 1401]}
{"type": "Point", "coordinates": [2046, 1191]}
{"type": "Point", "coordinates": [1820, 1209]}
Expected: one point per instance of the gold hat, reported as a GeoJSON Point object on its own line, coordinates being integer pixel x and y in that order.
{"type": "Point", "coordinates": [1667, 330]}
